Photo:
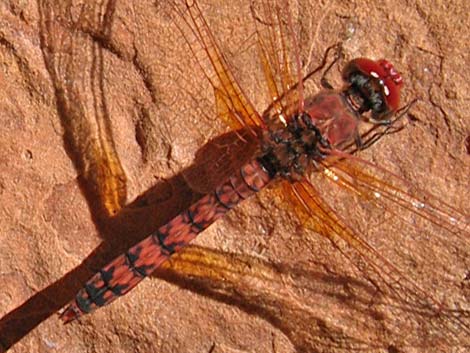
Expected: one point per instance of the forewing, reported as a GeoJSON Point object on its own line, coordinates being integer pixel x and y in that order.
{"type": "Point", "coordinates": [274, 40]}
{"type": "Point", "coordinates": [232, 104]}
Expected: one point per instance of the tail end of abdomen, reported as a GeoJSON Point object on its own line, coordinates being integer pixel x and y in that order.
{"type": "Point", "coordinates": [116, 279]}
{"type": "Point", "coordinates": [71, 313]}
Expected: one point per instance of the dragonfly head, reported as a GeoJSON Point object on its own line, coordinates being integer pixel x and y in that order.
{"type": "Point", "coordinates": [373, 85]}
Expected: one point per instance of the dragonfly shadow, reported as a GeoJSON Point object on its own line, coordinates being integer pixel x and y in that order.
{"type": "Point", "coordinates": [275, 291]}
{"type": "Point", "coordinates": [316, 308]}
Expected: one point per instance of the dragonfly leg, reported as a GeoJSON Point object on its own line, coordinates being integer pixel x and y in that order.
{"type": "Point", "coordinates": [392, 127]}
{"type": "Point", "coordinates": [337, 56]}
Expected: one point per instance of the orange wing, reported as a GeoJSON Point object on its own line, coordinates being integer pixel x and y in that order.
{"type": "Point", "coordinates": [395, 265]}
{"type": "Point", "coordinates": [233, 106]}
{"type": "Point", "coordinates": [274, 40]}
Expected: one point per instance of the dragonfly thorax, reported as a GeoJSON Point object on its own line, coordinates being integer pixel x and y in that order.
{"type": "Point", "coordinates": [290, 149]}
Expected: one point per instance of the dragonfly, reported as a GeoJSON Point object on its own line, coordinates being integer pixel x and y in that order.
{"type": "Point", "coordinates": [306, 145]}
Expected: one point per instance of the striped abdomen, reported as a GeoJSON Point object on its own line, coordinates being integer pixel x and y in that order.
{"type": "Point", "coordinates": [127, 270]}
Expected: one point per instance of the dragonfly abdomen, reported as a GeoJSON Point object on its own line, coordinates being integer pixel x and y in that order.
{"type": "Point", "coordinates": [127, 270]}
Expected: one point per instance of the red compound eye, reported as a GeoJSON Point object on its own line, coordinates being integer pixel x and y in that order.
{"type": "Point", "coordinates": [385, 74]}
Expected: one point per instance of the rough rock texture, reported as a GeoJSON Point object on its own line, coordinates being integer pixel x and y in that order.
{"type": "Point", "coordinates": [102, 107]}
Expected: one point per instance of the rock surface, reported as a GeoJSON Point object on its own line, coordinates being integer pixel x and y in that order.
{"type": "Point", "coordinates": [103, 108]}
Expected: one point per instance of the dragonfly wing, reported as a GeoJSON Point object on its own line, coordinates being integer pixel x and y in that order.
{"type": "Point", "coordinates": [219, 158]}
{"type": "Point", "coordinates": [393, 194]}
{"type": "Point", "coordinates": [277, 49]}
{"type": "Point", "coordinates": [232, 104]}
{"type": "Point", "coordinates": [405, 267]}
